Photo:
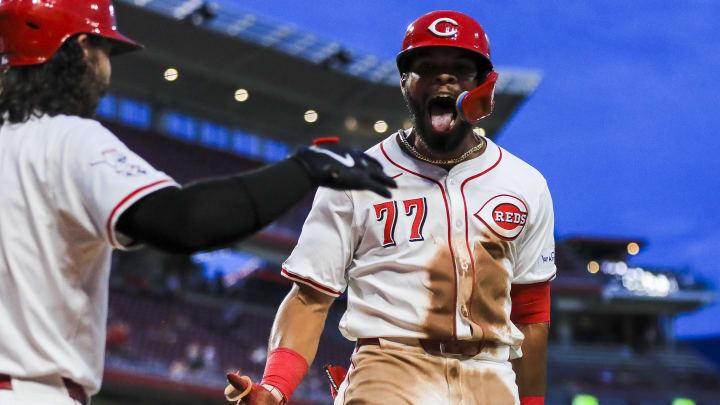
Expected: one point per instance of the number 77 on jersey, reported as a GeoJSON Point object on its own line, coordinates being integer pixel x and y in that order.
{"type": "Point", "coordinates": [387, 211]}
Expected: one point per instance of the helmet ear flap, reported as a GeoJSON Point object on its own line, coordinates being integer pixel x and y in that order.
{"type": "Point", "coordinates": [478, 103]}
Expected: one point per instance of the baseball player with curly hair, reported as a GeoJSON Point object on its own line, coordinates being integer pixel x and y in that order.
{"type": "Point", "coordinates": [72, 192]}
{"type": "Point", "coordinates": [448, 280]}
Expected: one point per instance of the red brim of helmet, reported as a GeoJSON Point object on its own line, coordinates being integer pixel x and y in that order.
{"type": "Point", "coordinates": [478, 103]}
{"type": "Point", "coordinates": [121, 43]}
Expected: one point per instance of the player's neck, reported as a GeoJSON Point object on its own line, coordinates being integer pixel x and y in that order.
{"type": "Point", "coordinates": [469, 141]}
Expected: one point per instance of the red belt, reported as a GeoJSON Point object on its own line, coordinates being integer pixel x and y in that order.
{"type": "Point", "coordinates": [468, 348]}
{"type": "Point", "coordinates": [75, 390]}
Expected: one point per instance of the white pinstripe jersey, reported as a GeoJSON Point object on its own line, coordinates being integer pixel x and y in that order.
{"type": "Point", "coordinates": [438, 258]}
{"type": "Point", "coordinates": [65, 181]}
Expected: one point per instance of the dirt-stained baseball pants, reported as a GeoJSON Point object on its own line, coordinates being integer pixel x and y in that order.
{"type": "Point", "coordinates": [400, 372]}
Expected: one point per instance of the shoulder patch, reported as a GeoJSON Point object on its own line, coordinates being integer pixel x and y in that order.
{"type": "Point", "coordinates": [120, 163]}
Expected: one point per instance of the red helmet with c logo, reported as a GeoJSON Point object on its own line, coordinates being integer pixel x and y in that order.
{"type": "Point", "coordinates": [444, 28]}
{"type": "Point", "coordinates": [31, 31]}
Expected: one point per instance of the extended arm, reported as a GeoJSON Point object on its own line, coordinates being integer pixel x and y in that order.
{"type": "Point", "coordinates": [213, 213]}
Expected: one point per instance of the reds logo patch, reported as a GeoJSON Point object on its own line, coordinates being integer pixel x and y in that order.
{"type": "Point", "coordinates": [504, 215]}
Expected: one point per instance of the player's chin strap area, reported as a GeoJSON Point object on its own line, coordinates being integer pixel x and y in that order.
{"type": "Point", "coordinates": [478, 103]}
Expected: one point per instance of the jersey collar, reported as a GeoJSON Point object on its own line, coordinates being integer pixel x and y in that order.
{"type": "Point", "coordinates": [402, 160]}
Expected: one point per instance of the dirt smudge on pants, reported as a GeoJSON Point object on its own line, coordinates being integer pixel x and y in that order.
{"type": "Point", "coordinates": [486, 387]}
{"type": "Point", "coordinates": [382, 377]}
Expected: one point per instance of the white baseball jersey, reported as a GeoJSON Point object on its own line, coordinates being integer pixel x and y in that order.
{"type": "Point", "coordinates": [65, 181]}
{"type": "Point", "coordinates": [436, 260]}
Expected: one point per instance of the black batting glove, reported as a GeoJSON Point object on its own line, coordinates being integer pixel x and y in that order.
{"type": "Point", "coordinates": [330, 164]}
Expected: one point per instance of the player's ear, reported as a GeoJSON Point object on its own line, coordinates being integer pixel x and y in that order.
{"type": "Point", "coordinates": [84, 41]}
{"type": "Point", "coordinates": [403, 80]}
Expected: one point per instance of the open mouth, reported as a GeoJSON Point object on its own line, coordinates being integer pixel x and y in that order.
{"type": "Point", "coordinates": [442, 112]}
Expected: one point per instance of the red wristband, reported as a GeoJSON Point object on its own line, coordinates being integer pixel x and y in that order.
{"type": "Point", "coordinates": [532, 400]}
{"type": "Point", "coordinates": [284, 370]}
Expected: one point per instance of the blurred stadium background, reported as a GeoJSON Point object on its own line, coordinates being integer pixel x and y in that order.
{"type": "Point", "coordinates": [227, 86]}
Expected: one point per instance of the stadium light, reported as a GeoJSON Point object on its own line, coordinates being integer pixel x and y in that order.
{"type": "Point", "coordinates": [584, 399]}
{"type": "Point", "coordinates": [683, 401]}
{"type": "Point", "coordinates": [380, 126]}
{"type": "Point", "coordinates": [633, 248]}
{"type": "Point", "coordinates": [171, 74]}
{"type": "Point", "coordinates": [593, 267]}
{"type": "Point", "coordinates": [311, 116]}
{"type": "Point", "coordinates": [241, 95]}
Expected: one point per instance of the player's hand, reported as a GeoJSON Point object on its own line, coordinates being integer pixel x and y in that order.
{"type": "Point", "coordinates": [243, 391]}
{"type": "Point", "coordinates": [333, 165]}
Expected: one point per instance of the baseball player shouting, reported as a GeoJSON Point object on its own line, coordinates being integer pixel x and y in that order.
{"type": "Point", "coordinates": [448, 280]}
{"type": "Point", "coordinates": [71, 191]}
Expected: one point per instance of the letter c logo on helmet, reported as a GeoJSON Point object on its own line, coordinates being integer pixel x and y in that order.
{"type": "Point", "coordinates": [447, 33]}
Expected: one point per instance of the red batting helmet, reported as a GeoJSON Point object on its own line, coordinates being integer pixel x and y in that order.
{"type": "Point", "coordinates": [454, 29]}
{"type": "Point", "coordinates": [444, 28]}
{"type": "Point", "coordinates": [31, 31]}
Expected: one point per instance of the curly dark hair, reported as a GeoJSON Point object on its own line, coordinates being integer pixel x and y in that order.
{"type": "Point", "coordinates": [66, 84]}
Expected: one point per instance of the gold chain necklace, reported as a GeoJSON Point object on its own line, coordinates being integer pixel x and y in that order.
{"type": "Point", "coordinates": [455, 161]}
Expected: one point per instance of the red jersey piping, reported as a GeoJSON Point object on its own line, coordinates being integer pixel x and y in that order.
{"type": "Point", "coordinates": [311, 283]}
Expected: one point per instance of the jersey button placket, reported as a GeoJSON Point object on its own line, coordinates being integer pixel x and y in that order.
{"type": "Point", "coordinates": [464, 279]}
